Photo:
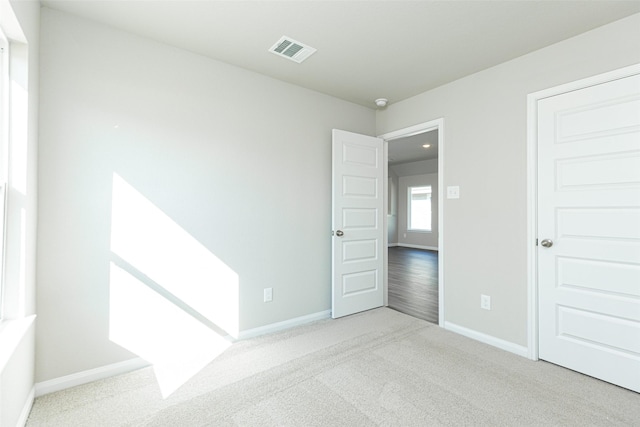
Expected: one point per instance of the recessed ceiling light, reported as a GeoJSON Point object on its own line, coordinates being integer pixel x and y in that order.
{"type": "Point", "coordinates": [426, 145]}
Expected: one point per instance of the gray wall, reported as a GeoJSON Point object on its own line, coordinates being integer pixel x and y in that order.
{"type": "Point", "coordinates": [416, 168]}
{"type": "Point", "coordinates": [238, 162]}
{"type": "Point", "coordinates": [485, 154]}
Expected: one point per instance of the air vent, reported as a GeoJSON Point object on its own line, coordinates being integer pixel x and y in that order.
{"type": "Point", "coordinates": [288, 48]}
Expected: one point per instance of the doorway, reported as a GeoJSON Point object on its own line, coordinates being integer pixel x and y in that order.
{"type": "Point", "coordinates": [406, 156]}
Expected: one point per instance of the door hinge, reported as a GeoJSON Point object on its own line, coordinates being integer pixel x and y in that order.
{"type": "Point", "coordinates": [536, 242]}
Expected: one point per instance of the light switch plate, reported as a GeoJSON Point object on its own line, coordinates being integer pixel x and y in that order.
{"type": "Point", "coordinates": [485, 302]}
{"type": "Point", "coordinates": [453, 192]}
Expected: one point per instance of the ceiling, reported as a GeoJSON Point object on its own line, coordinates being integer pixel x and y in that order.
{"type": "Point", "coordinates": [366, 49]}
{"type": "Point", "coordinates": [410, 148]}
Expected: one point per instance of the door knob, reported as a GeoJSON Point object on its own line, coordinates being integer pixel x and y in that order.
{"type": "Point", "coordinates": [547, 243]}
{"type": "Point", "coordinates": [339, 233]}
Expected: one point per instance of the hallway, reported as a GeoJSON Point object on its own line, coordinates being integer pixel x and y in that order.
{"type": "Point", "coordinates": [413, 282]}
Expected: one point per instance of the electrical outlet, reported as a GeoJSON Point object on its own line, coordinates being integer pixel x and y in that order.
{"type": "Point", "coordinates": [268, 294]}
{"type": "Point", "coordinates": [485, 302]}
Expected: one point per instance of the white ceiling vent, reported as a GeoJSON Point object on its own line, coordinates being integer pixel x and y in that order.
{"type": "Point", "coordinates": [288, 48]}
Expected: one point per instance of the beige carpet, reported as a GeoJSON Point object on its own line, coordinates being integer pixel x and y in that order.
{"type": "Point", "coordinates": [376, 368]}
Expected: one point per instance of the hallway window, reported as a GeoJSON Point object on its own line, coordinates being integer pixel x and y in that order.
{"type": "Point", "coordinates": [419, 208]}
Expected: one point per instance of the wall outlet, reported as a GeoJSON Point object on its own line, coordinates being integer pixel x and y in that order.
{"type": "Point", "coordinates": [405, 235]}
{"type": "Point", "coordinates": [268, 294]}
{"type": "Point", "coordinates": [485, 302]}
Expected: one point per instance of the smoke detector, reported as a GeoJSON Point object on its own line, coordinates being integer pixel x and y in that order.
{"type": "Point", "coordinates": [381, 102]}
{"type": "Point", "coordinates": [288, 48]}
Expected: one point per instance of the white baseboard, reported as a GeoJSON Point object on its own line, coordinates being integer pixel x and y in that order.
{"type": "Point", "coordinates": [488, 339]}
{"type": "Point", "coordinates": [408, 245]}
{"type": "Point", "coordinates": [88, 376]}
{"type": "Point", "coordinates": [392, 245]}
{"type": "Point", "coordinates": [24, 415]}
{"type": "Point", "coordinates": [286, 324]}
{"type": "Point", "coordinates": [102, 372]}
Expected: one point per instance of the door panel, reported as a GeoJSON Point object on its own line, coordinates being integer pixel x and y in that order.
{"type": "Point", "coordinates": [357, 258]}
{"type": "Point", "coordinates": [589, 206]}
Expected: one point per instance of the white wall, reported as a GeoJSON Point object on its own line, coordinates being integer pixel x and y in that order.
{"type": "Point", "coordinates": [239, 161]}
{"type": "Point", "coordinates": [426, 240]}
{"type": "Point", "coordinates": [392, 209]}
{"type": "Point", "coordinates": [20, 21]}
{"type": "Point", "coordinates": [485, 154]}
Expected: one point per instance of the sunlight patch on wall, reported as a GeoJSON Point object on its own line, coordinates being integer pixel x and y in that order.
{"type": "Point", "coordinates": [172, 301]}
{"type": "Point", "coordinates": [149, 325]}
{"type": "Point", "coordinates": [151, 242]}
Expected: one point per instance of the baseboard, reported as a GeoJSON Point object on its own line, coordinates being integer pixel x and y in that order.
{"type": "Point", "coordinates": [24, 415]}
{"type": "Point", "coordinates": [88, 376]}
{"type": "Point", "coordinates": [280, 326]}
{"type": "Point", "coordinates": [488, 339]}
{"type": "Point", "coordinates": [392, 245]}
{"type": "Point", "coordinates": [102, 372]}
{"type": "Point", "coordinates": [408, 245]}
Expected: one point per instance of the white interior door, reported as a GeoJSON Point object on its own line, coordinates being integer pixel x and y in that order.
{"type": "Point", "coordinates": [589, 230]}
{"type": "Point", "coordinates": [358, 226]}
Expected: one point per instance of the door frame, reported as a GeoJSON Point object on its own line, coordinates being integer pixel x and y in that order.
{"type": "Point", "coordinates": [532, 188]}
{"type": "Point", "coordinates": [437, 124]}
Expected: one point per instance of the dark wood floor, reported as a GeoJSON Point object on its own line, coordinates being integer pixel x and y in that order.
{"type": "Point", "coordinates": [413, 282]}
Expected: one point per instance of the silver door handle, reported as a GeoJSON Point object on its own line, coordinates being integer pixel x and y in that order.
{"type": "Point", "coordinates": [547, 243]}
{"type": "Point", "coordinates": [339, 233]}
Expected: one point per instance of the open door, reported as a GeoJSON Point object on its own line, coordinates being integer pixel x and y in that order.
{"type": "Point", "coordinates": [358, 223]}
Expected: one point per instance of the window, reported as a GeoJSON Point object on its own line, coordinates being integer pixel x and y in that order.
{"type": "Point", "coordinates": [419, 208]}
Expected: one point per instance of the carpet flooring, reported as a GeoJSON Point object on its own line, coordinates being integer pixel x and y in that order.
{"type": "Point", "coordinates": [379, 367]}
